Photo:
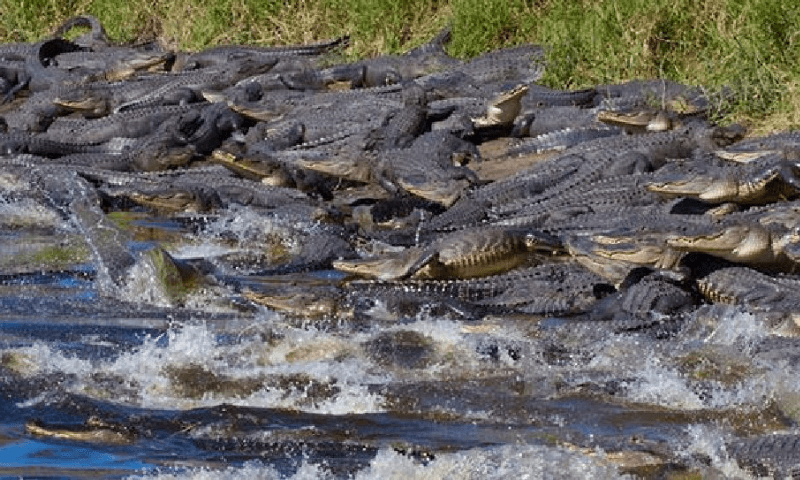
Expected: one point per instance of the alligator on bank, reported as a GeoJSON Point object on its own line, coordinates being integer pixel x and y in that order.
{"type": "Point", "coordinates": [294, 189]}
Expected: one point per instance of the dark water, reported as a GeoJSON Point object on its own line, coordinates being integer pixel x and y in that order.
{"type": "Point", "coordinates": [100, 385]}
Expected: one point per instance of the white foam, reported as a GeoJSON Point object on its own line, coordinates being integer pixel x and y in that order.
{"type": "Point", "coordinates": [250, 470]}
{"type": "Point", "coordinates": [27, 211]}
{"type": "Point", "coordinates": [246, 225]}
{"type": "Point", "coordinates": [735, 327]}
{"type": "Point", "coordinates": [142, 285]}
{"type": "Point", "coordinates": [509, 461]}
{"type": "Point", "coordinates": [709, 442]}
{"type": "Point", "coordinates": [512, 461]}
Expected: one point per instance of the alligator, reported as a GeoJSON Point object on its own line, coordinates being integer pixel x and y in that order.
{"type": "Point", "coordinates": [560, 140]}
{"type": "Point", "coordinates": [433, 167]}
{"type": "Point", "coordinates": [769, 179]}
{"type": "Point", "coordinates": [12, 80]}
{"type": "Point", "coordinates": [752, 288]}
{"type": "Point", "coordinates": [749, 243]}
{"type": "Point", "coordinates": [656, 301]}
{"type": "Point", "coordinates": [461, 254]}
{"type": "Point", "coordinates": [519, 64]}
{"type": "Point", "coordinates": [93, 431]}
{"type": "Point", "coordinates": [197, 81]}
{"type": "Point", "coordinates": [222, 55]}
{"type": "Point", "coordinates": [311, 250]}
{"type": "Point", "coordinates": [764, 237]}
{"type": "Point", "coordinates": [112, 67]}
{"type": "Point", "coordinates": [591, 160]}
{"type": "Point", "coordinates": [656, 93]}
{"type": "Point", "coordinates": [540, 97]}
{"type": "Point", "coordinates": [401, 127]}
{"type": "Point", "coordinates": [186, 197]}
{"type": "Point", "coordinates": [605, 194]}
{"type": "Point", "coordinates": [532, 123]}
{"type": "Point", "coordinates": [129, 124]}
{"type": "Point", "coordinates": [549, 289]}
{"type": "Point", "coordinates": [38, 144]}
{"type": "Point", "coordinates": [639, 120]}
{"type": "Point", "coordinates": [614, 257]}
{"type": "Point", "coordinates": [754, 148]}
{"type": "Point", "coordinates": [200, 189]}
{"type": "Point", "coordinates": [95, 39]}
{"type": "Point", "coordinates": [610, 156]}
{"type": "Point", "coordinates": [394, 69]}
{"type": "Point", "coordinates": [559, 289]}
{"type": "Point", "coordinates": [100, 98]}
{"type": "Point", "coordinates": [773, 455]}
{"type": "Point", "coordinates": [502, 109]}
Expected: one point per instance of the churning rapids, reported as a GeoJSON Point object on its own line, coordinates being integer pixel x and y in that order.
{"type": "Point", "coordinates": [261, 263]}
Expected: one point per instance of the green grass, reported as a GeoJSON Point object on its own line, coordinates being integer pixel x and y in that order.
{"type": "Point", "coordinates": [748, 46]}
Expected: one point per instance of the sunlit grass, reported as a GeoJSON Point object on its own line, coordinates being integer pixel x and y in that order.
{"type": "Point", "coordinates": [748, 46]}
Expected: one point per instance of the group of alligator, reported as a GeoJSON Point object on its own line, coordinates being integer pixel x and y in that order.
{"type": "Point", "coordinates": [415, 182]}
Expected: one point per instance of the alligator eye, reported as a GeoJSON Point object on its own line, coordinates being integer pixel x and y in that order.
{"type": "Point", "coordinates": [392, 78]}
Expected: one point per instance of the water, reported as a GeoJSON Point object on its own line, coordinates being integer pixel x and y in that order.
{"type": "Point", "coordinates": [130, 385]}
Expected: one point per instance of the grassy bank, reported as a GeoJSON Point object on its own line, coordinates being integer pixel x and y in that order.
{"type": "Point", "coordinates": [750, 46]}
